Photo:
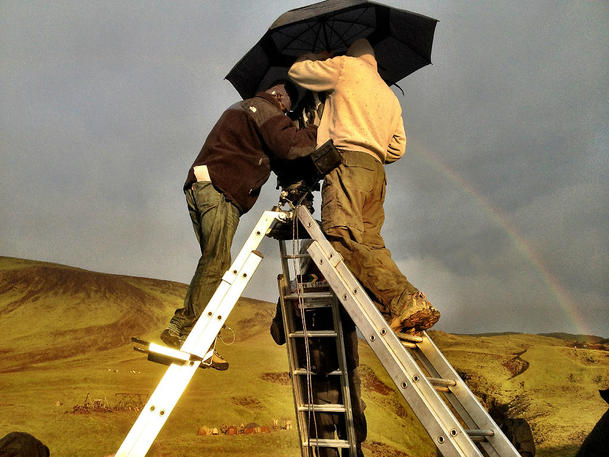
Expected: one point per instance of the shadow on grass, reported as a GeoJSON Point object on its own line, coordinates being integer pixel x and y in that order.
{"type": "Point", "coordinates": [558, 451]}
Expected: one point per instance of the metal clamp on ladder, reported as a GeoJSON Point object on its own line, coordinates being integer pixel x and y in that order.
{"type": "Point", "coordinates": [166, 355]}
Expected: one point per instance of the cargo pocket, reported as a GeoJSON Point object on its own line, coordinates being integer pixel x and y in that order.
{"type": "Point", "coordinates": [205, 196]}
{"type": "Point", "coordinates": [358, 172]}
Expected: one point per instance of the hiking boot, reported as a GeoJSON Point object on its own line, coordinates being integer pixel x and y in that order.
{"type": "Point", "coordinates": [172, 338]}
{"type": "Point", "coordinates": [217, 362]}
{"type": "Point", "coordinates": [419, 315]}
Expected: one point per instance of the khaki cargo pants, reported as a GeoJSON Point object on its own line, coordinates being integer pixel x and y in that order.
{"type": "Point", "coordinates": [352, 216]}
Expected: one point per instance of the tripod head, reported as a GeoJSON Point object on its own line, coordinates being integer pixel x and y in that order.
{"type": "Point", "coordinates": [298, 178]}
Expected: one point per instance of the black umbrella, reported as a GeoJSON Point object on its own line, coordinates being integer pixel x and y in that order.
{"type": "Point", "coordinates": [401, 40]}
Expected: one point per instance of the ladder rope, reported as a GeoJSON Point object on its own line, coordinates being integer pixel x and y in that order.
{"type": "Point", "coordinates": [299, 293]}
{"type": "Point", "coordinates": [232, 332]}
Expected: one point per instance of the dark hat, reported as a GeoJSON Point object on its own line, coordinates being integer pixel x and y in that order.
{"type": "Point", "coordinates": [289, 87]}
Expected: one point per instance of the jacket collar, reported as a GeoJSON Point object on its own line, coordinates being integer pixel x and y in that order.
{"type": "Point", "coordinates": [269, 97]}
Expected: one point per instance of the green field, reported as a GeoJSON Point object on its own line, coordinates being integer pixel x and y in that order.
{"type": "Point", "coordinates": [66, 338]}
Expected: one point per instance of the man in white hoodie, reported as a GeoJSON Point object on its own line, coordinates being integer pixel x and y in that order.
{"type": "Point", "coordinates": [364, 118]}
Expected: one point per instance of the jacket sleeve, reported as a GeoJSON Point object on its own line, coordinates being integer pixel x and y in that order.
{"type": "Point", "coordinates": [280, 136]}
{"type": "Point", "coordinates": [285, 140]}
{"type": "Point", "coordinates": [397, 145]}
{"type": "Point", "coordinates": [316, 75]}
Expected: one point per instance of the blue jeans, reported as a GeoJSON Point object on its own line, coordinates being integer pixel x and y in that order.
{"type": "Point", "coordinates": [215, 221]}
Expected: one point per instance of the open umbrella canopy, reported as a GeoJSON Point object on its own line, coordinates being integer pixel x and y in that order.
{"type": "Point", "coordinates": [401, 39]}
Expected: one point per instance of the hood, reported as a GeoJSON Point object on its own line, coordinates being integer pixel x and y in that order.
{"type": "Point", "coordinates": [362, 50]}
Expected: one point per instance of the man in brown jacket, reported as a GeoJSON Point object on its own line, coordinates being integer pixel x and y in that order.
{"type": "Point", "coordinates": [224, 182]}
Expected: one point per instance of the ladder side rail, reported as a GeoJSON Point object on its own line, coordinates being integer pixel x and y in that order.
{"type": "Point", "coordinates": [285, 263]}
{"type": "Point", "coordinates": [458, 398]}
{"type": "Point", "coordinates": [154, 414]}
{"type": "Point", "coordinates": [141, 435]}
{"type": "Point", "coordinates": [287, 314]}
{"type": "Point", "coordinates": [344, 377]}
{"type": "Point", "coordinates": [176, 379]}
{"type": "Point", "coordinates": [214, 315]}
{"type": "Point", "coordinates": [464, 402]}
{"type": "Point", "coordinates": [289, 267]}
{"type": "Point", "coordinates": [174, 382]}
{"type": "Point", "coordinates": [475, 415]}
{"type": "Point", "coordinates": [435, 416]}
{"type": "Point", "coordinates": [452, 390]}
{"type": "Point", "coordinates": [262, 227]}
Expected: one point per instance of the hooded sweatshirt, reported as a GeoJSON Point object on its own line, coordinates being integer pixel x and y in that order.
{"type": "Point", "coordinates": [361, 113]}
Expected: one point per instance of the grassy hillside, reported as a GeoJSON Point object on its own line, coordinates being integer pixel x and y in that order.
{"type": "Point", "coordinates": [66, 336]}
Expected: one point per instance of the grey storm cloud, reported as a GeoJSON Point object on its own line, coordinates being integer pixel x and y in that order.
{"type": "Point", "coordinates": [499, 211]}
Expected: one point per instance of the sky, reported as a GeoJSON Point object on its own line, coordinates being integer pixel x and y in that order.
{"type": "Point", "coordinates": [499, 210]}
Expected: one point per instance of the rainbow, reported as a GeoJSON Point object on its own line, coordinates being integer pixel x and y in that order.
{"type": "Point", "coordinates": [566, 303]}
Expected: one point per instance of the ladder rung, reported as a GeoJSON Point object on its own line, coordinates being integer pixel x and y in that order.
{"type": "Point", "coordinates": [309, 296]}
{"type": "Point", "coordinates": [329, 408]}
{"type": "Point", "coordinates": [479, 435]}
{"type": "Point", "coordinates": [410, 338]}
{"type": "Point", "coordinates": [442, 382]}
{"type": "Point", "coordinates": [303, 372]}
{"type": "Point", "coordinates": [314, 334]}
{"type": "Point", "coordinates": [319, 442]}
{"type": "Point", "coordinates": [315, 305]}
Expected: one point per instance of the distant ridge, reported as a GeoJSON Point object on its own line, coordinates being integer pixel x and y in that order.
{"type": "Point", "coordinates": [590, 339]}
{"type": "Point", "coordinates": [50, 311]}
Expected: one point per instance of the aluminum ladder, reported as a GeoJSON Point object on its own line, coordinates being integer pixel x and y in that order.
{"type": "Point", "coordinates": [194, 353]}
{"type": "Point", "coordinates": [311, 322]}
{"type": "Point", "coordinates": [421, 386]}
{"type": "Point", "coordinates": [452, 416]}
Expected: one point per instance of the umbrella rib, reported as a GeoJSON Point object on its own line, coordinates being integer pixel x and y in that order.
{"type": "Point", "coordinates": [349, 23]}
{"type": "Point", "coordinates": [346, 40]}
{"type": "Point", "coordinates": [317, 36]}
{"type": "Point", "coordinates": [352, 23]}
{"type": "Point", "coordinates": [325, 36]}
{"type": "Point", "coordinates": [340, 37]}
{"type": "Point", "coordinates": [320, 25]}
{"type": "Point", "coordinates": [295, 38]}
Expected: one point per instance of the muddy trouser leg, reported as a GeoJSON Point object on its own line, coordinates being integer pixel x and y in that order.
{"type": "Point", "coordinates": [214, 221]}
{"type": "Point", "coordinates": [352, 216]}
